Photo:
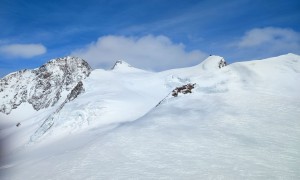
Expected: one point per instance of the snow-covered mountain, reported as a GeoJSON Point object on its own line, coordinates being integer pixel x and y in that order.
{"type": "Point", "coordinates": [44, 86]}
{"type": "Point", "coordinates": [209, 121]}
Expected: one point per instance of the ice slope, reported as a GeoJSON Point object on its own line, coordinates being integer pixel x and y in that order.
{"type": "Point", "coordinates": [111, 97]}
{"type": "Point", "coordinates": [240, 122]}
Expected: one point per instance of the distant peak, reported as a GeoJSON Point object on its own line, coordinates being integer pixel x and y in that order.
{"type": "Point", "coordinates": [289, 55]}
{"type": "Point", "coordinates": [121, 64]}
{"type": "Point", "coordinates": [213, 62]}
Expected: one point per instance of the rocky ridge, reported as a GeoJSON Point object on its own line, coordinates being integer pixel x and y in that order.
{"type": "Point", "coordinates": [42, 87]}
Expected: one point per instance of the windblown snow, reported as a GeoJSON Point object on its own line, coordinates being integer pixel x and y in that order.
{"type": "Point", "coordinates": [238, 121]}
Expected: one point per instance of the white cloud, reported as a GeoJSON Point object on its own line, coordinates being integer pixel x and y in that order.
{"type": "Point", "coordinates": [148, 52]}
{"type": "Point", "coordinates": [22, 50]}
{"type": "Point", "coordinates": [269, 41]}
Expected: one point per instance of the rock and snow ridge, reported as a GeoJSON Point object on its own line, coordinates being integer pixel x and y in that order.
{"type": "Point", "coordinates": [44, 86]}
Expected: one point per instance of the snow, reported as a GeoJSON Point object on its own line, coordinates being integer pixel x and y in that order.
{"type": "Point", "coordinates": [240, 122]}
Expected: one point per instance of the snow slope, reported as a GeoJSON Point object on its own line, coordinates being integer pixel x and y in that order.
{"type": "Point", "coordinates": [241, 121]}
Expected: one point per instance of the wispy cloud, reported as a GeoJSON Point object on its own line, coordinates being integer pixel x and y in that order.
{"type": "Point", "coordinates": [268, 41]}
{"type": "Point", "coordinates": [147, 52]}
{"type": "Point", "coordinates": [269, 35]}
{"type": "Point", "coordinates": [22, 50]}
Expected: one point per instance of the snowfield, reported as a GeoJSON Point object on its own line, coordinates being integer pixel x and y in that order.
{"type": "Point", "coordinates": [241, 121]}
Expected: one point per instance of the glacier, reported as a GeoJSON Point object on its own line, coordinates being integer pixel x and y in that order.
{"type": "Point", "coordinates": [240, 121]}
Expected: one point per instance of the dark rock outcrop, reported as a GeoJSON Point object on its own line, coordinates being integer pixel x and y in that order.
{"type": "Point", "coordinates": [78, 89]}
{"type": "Point", "coordinates": [222, 63]}
{"type": "Point", "coordinates": [183, 89]}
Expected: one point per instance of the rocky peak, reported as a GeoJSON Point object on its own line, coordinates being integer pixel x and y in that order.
{"type": "Point", "coordinates": [120, 64]}
{"type": "Point", "coordinates": [42, 87]}
{"type": "Point", "coordinates": [213, 63]}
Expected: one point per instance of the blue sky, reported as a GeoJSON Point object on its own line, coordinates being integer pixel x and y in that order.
{"type": "Point", "coordinates": [150, 34]}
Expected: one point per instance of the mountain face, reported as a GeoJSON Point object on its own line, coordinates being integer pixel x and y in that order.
{"type": "Point", "coordinates": [210, 121]}
{"type": "Point", "coordinates": [42, 87]}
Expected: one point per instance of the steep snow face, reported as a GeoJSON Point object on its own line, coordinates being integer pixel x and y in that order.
{"type": "Point", "coordinates": [41, 87]}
